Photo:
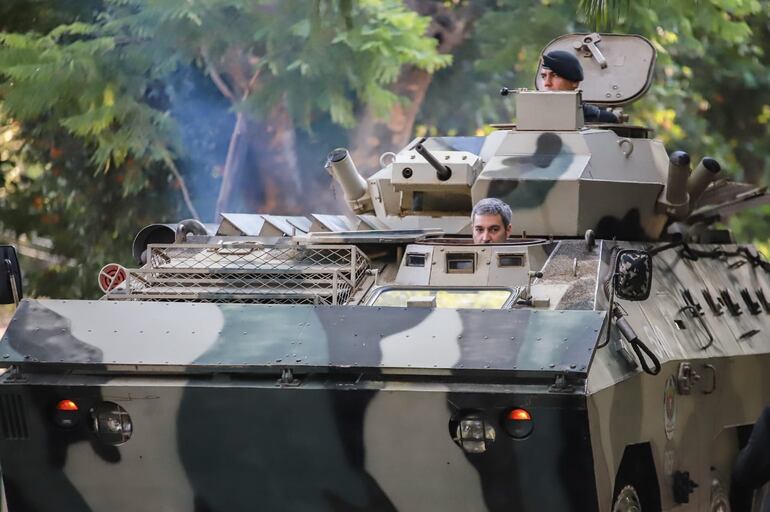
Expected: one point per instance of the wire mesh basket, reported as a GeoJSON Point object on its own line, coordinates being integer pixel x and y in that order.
{"type": "Point", "coordinates": [246, 272]}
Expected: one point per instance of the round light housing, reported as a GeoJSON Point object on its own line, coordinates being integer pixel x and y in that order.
{"type": "Point", "coordinates": [472, 433]}
{"type": "Point", "coordinates": [66, 414]}
{"type": "Point", "coordinates": [111, 423]}
{"type": "Point", "coordinates": [517, 422]}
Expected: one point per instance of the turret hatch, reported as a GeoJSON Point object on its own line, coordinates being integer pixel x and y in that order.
{"type": "Point", "coordinates": [617, 68]}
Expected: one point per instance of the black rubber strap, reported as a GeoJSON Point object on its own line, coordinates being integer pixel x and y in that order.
{"type": "Point", "coordinates": [641, 349]}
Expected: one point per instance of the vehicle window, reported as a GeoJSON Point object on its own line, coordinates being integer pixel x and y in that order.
{"type": "Point", "coordinates": [463, 299]}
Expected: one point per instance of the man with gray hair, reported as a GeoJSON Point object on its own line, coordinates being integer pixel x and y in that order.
{"type": "Point", "coordinates": [491, 221]}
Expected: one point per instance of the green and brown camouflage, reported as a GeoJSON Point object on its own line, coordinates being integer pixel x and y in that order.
{"type": "Point", "coordinates": [382, 361]}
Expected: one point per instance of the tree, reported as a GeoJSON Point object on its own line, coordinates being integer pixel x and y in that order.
{"type": "Point", "coordinates": [50, 186]}
{"type": "Point", "coordinates": [296, 63]}
{"type": "Point", "coordinates": [378, 130]}
{"type": "Point", "coordinates": [126, 105]}
{"type": "Point", "coordinates": [108, 88]}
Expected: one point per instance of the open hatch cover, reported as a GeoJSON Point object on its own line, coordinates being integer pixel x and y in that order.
{"type": "Point", "coordinates": [617, 68]}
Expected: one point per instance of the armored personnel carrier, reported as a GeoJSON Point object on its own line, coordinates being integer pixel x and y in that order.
{"type": "Point", "coordinates": [611, 356]}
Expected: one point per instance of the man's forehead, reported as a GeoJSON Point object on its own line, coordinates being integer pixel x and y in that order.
{"type": "Point", "coordinates": [488, 218]}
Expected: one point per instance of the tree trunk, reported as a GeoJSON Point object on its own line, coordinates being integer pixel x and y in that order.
{"type": "Point", "coordinates": [273, 151]}
{"type": "Point", "coordinates": [753, 165]}
{"type": "Point", "coordinates": [374, 136]}
{"type": "Point", "coordinates": [261, 173]}
{"type": "Point", "coordinates": [233, 166]}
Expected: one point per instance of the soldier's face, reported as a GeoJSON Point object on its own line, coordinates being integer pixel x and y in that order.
{"type": "Point", "coordinates": [489, 229]}
{"type": "Point", "coordinates": [553, 82]}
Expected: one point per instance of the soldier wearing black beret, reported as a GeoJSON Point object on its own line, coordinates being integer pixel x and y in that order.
{"type": "Point", "coordinates": [561, 71]}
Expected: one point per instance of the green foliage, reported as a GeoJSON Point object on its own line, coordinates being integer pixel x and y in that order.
{"type": "Point", "coordinates": [86, 217]}
{"type": "Point", "coordinates": [97, 95]}
{"type": "Point", "coordinates": [94, 93]}
{"type": "Point", "coordinates": [89, 85]}
{"type": "Point", "coordinates": [270, 52]}
{"type": "Point", "coordinates": [42, 16]}
{"type": "Point", "coordinates": [603, 13]}
{"type": "Point", "coordinates": [94, 79]}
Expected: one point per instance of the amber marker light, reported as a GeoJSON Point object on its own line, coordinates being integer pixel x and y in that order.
{"type": "Point", "coordinates": [66, 414]}
{"type": "Point", "coordinates": [67, 405]}
{"type": "Point", "coordinates": [519, 415]}
{"type": "Point", "coordinates": [518, 423]}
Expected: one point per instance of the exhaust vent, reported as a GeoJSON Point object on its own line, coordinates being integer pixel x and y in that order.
{"type": "Point", "coordinates": [12, 418]}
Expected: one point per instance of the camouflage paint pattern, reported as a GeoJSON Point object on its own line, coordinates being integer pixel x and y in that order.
{"type": "Point", "coordinates": [361, 431]}
{"type": "Point", "coordinates": [354, 407]}
{"type": "Point", "coordinates": [229, 337]}
{"type": "Point", "coordinates": [546, 177]}
{"type": "Point", "coordinates": [627, 407]}
{"type": "Point", "coordinates": [380, 387]}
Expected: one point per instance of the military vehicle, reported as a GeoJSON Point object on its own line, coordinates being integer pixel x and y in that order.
{"type": "Point", "coordinates": [611, 356]}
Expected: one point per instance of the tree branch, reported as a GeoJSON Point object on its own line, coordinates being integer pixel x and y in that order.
{"type": "Point", "coordinates": [216, 77]}
{"type": "Point", "coordinates": [182, 185]}
{"type": "Point", "coordinates": [252, 82]}
{"type": "Point", "coordinates": [235, 151]}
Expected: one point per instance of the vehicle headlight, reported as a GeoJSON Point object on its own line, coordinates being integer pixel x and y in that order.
{"type": "Point", "coordinates": [111, 423]}
{"type": "Point", "coordinates": [472, 433]}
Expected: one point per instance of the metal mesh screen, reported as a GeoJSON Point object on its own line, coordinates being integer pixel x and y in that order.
{"type": "Point", "coordinates": [247, 273]}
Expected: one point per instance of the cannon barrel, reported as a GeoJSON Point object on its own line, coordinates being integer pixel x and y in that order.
{"type": "Point", "coordinates": [707, 171]}
{"type": "Point", "coordinates": [443, 172]}
{"type": "Point", "coordinates": [341, 167]}
{"type": "Point", "coordinates": [676, 183]}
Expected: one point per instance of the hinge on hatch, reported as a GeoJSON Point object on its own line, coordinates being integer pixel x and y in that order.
{"type": "Point", "coordinates": [561, 385]}
{"type": "Point", "coordinates": [288, 379]}
{"type": "Point", "coordinates": [15, 375]}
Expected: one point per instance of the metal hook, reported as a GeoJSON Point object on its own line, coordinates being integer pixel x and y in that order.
{"type": "Point", "coordinates": [383, 158]}
{"type": "Point", "coordinates": [630, 144]}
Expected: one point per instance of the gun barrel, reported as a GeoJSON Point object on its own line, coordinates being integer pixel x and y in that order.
{"type": "Point", "coordinates": [707, 171]}
{"type": "Point", "coordinates": [676, 184]}
{"type": "Point", "coordinates": [443, 172]}
{"type": "Point", "coordinates": [341, 166]}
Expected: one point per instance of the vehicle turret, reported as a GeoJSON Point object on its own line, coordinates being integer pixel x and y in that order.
{"type": "Point", "coordinates": [561, 175]}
